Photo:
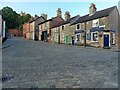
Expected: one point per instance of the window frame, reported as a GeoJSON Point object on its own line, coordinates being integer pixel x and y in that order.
{"type": "Point", "coordinates": [92, 38]}
{"type": "Point", "coordinates": [63, 27]}
{"type": "Point", "coordinates": [77, 26]}
{"type": "Point", "coordinates": [94, 23]}
{"type": "Point", "coordinates": [77, 38]}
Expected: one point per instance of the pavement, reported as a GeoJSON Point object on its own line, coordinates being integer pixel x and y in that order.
{"type": "Point", "coordinates": [27, 63]}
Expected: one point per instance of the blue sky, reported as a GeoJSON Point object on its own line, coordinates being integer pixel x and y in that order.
{"type": "Point", "coordinates": [50, 8]}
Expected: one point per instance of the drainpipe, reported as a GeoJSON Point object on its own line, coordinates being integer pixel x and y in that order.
{"type": "Point", "coordinates": [85, 35]}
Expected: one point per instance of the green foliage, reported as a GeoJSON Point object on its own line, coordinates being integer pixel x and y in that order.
{"type": "Point", "coordinates": [13, 19]}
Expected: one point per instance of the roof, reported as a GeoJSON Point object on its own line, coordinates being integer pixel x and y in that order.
{"type": "Point", "coordinates": [48, 20]}
{"type": "Point", "coordinates": [45, 21]}
{"type": "Point", "coordinates": [98, 14]}
{"type": "Point", "coordinates": [72, 19]}
{"type": "Point", "coordinates": [36, 19]}
{"type": "Point", "coordinates": [58, 24]}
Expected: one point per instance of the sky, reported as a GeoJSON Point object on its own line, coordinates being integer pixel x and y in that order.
{"type": "Point", "coordinates": [50, 8]}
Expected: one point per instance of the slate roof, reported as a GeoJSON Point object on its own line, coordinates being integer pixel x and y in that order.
{"type": "Point", "coordinates": [57, 24]}
{"type": "Point", "coordinates": [45, 21]}
{"type": "Point", "coordinates": [71, 20]}
{"type": "Point", "coordinates": [98, 14]}
{"type": "Point", "coordinates": [36, 19]}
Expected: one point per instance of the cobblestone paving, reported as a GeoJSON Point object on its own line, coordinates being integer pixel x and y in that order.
{"type": "Point", "coordinates": [44, 65]}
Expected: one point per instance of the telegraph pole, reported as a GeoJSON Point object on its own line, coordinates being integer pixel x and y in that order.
{"type": "Point", "coordinates": [85, 35]}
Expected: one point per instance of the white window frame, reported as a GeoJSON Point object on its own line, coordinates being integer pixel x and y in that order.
{"type": "Point", "coordinates": [79, 38]}
{"type": "Point", "coordinates": [94, 23]}
{"type": "Point", "coordinates": [79, 26]}
{"type": "Point", "coordinates": [92, 37]}
{"type": "Point", "coordinates": [62, 27]}
{"type": "Point", "coordinates": [113, 37]}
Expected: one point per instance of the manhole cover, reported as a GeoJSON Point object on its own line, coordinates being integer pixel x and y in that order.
{"type": "Point", "coordinates": [6, 78]}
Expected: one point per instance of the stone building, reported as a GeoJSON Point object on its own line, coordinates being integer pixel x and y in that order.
{"type": "Point", "coordinates": [46, 26]}
{"type": "Point", "coordinates": [98, 28]}
{"type": "Point", "coordinates": [55, 34]}
{"type": "Point", "coordinates": [67, 31]}
{"type": "Point", "coordinates": [34, 29]}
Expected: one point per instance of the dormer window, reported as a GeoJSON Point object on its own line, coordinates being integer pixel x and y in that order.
{"type": "Point", "coordinates": [77, 27]}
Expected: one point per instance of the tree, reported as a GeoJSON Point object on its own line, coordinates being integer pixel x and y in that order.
{"type": "Point", "coordinates": [11, 17]}
{"type": "Point", "coordinates": [27, 17]}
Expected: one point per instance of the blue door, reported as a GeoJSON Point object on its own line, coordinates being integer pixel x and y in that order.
{"type": "Point", "coordinates": [106, 40]}
{"type": "Point", "coordinates": [72, 40]}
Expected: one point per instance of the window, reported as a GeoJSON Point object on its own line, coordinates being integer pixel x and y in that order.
{"type": "Point", "coordinates": [95, 36]}
{"type": "Point", "coordinates": [62, 27]}
{"type": "Point", "coordinates": [78, 37]}
{"type": "Point", "coordinates": [77, 27]}
{"type": "Point", "coordinates": [87, 22]}
{"type": "Point", "coordinates": [113, 38]}
{"type": "Point", "coordinates": [95, 23]}
{"type": "Point", "coordinates": [88, 36]}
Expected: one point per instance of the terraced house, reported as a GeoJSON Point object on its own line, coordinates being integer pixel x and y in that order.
{"type": "Point", "coordinates": [34, 29]}
{"type": "Point", "coordinates": [67, 31]}
{"type": "Point", "coordinates": [46, 26]}
{"type": "Point", "coordinates": [55, 33]}
{"type": "Point", "coordinates": [98, 28]}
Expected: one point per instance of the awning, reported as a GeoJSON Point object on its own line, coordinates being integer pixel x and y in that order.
{"type": "Point", "coordinates": [99, 29]}
{"type": "Point", "coordinates": [79, 31]}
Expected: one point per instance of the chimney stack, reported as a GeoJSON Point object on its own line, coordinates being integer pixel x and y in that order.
{"type": "Point", "coordinates": [59, 13]}
{"type": "Point", "coordinates": [92, 9]}
{"type": "Point", "coordinates": [44, 15]}
{"type": "Point", "coordinates": [67, 15]}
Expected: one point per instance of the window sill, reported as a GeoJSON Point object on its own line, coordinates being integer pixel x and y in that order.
{"type": "Point", "coordinates": [94, 41]}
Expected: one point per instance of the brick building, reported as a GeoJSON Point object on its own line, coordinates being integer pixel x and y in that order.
{"type": "Point", "coordinates": [26, 30]}
{"type": "Point", "coordinates": [14, 32]}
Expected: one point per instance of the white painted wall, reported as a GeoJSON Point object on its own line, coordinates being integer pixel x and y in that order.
{"type": "Point", "coordinates": [3, 29]}
{"type": "Point", "coordinates": [0, 25]}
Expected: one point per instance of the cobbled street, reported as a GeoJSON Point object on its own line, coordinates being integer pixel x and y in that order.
{"type": "Point", "coordinates": [42, 64]}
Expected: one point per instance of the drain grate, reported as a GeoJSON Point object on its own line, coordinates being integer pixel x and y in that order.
{"type": "Point", "coordinates": [6, 78]}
